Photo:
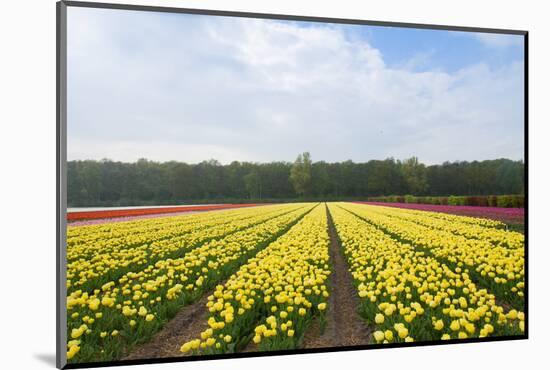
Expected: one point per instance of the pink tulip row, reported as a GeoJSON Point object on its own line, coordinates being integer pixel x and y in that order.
{"type": "Point", "coordinates": [506, 215]}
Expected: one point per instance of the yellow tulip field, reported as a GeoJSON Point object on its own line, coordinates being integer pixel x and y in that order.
{"type": "Point", "coordinates": [417, 285]}
{"type": "Point", "coordinates": [261, 276]}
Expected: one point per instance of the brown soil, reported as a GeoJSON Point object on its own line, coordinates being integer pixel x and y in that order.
{"type": "Point", "coordinates": [186, 325]}
{"type": "Point", "coordinates": [344, 326]}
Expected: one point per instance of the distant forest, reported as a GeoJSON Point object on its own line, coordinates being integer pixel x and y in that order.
{"type": "Point", "coordinates": [109, 183]}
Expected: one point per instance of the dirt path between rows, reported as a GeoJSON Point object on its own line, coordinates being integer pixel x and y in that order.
{"type": "Point", "coordinates": [186, 325]}
{"type": "Point", "coordinates": [344, 325]}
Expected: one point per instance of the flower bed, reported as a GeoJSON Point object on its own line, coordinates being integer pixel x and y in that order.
{"type": "Point", "coordinates": [506, 215]}
{"type": "Point", "coordinates": [94, 215]}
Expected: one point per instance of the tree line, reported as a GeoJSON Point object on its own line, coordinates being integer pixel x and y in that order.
{"type": "Point", "coordinates": [109, 183]}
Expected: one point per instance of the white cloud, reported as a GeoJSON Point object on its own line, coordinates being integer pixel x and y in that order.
{"type": "Point", "coordinates": [498, 40]}
{"type": "Point", "coordinates": [173, 87]}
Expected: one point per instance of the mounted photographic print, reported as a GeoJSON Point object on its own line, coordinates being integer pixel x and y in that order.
{"type": "Point", "coordinates": [235, 184]}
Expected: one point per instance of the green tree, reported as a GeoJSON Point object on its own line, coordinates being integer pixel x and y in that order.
{"type": "Point", "coordinates": [384, 177]}
{"type": "Point", "coordinates": [319, 178]}
{"type": "Point", "coordinates": [415, 176]}
{"type": "Point", "coordinates": [300, 173]}
{"type": "Point", "coordinates": [253, 184]}
{"type": "Point", "coordinates": [145, 182]}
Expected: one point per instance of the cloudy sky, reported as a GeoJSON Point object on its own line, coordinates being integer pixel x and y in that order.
{"type": "Point", "coordinates": [189, 88]}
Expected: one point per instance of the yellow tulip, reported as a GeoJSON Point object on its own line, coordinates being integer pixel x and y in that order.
{"type": "Point", "coordinates": [186, 347]}
{"type": "Point", "coordinates": [142, 311]}
{"type": "Point", "coordinates": [379, 336]}
{"type": "Point", "coordinates": [73, 350]}
{"type": "Point", "coordinates": [512, 314]}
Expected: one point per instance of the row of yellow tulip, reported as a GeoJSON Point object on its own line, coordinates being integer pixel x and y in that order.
{"type": "Point", "coordinates": [92, 238]}
{"type": "Point", "coordinates": [281, 288]}
{"type": "Point", "coordinates": [105, 234]}
{"type": "Point", "coordinates": [410, 296]}
{"type": "Point", "coordinates": [459, 225]}
{"type": "Point", "coordinates": [499, 268]}
{"type": "Point", "coordinates": [98, 264]}
{"type": "Point", "coordinates": [487, 222]}
{"type": "Point", "coordinates": [106, 323]}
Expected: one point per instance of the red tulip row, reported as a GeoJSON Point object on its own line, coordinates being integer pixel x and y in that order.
{"type": "Point", "coordinates": [94, 215]}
